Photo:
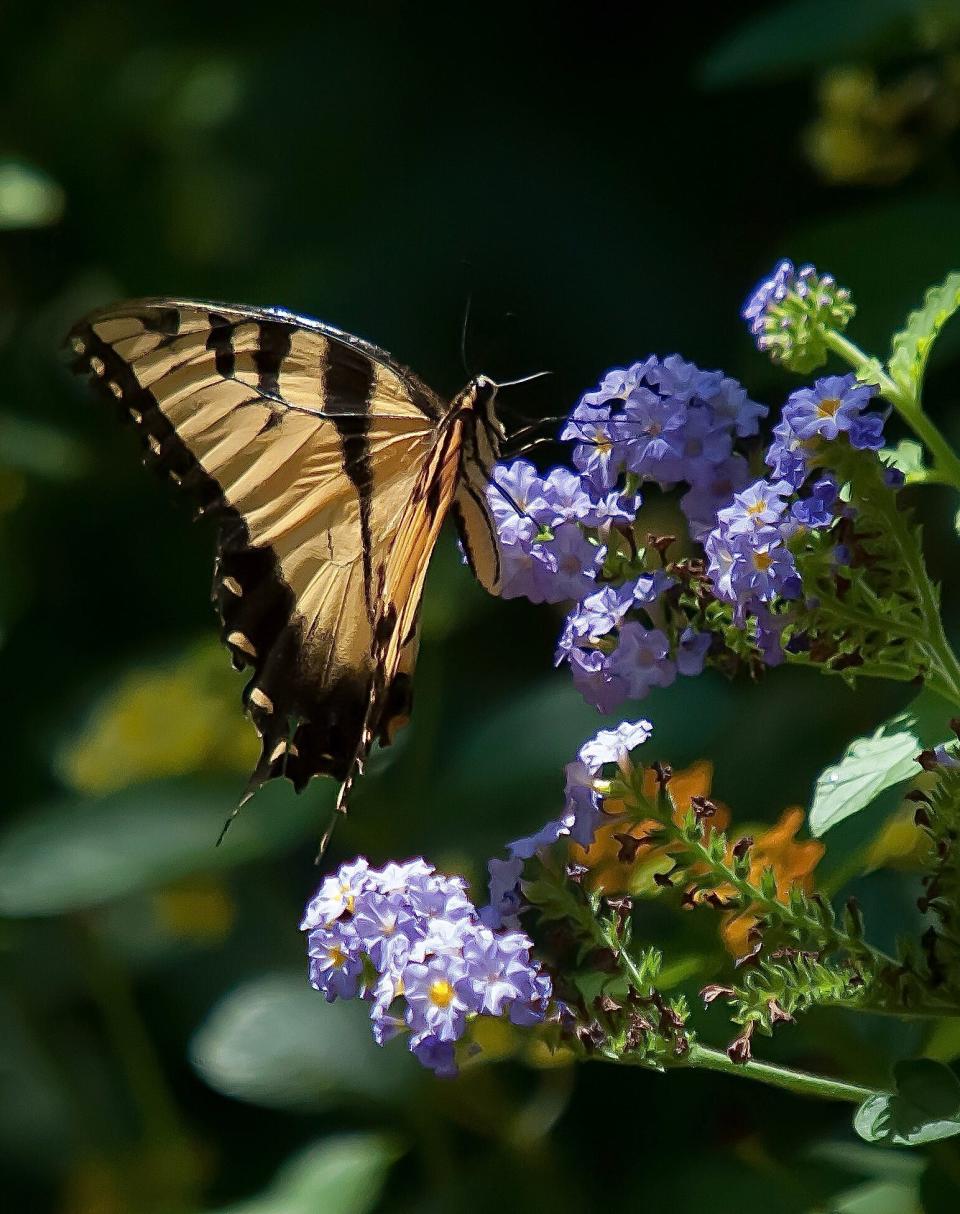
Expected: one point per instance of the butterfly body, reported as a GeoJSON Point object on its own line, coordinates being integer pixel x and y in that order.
{"type": "Point", "coordinates": [331, 469]}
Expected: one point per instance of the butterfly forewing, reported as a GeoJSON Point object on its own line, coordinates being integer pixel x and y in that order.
{"type": "Point", "coordinates": [331, 469]}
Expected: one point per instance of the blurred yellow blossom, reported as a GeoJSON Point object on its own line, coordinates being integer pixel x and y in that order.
{"type": "Point", "coordinates": [873, 133]}
{"type": "Point", "coordinates": [163, 721]}
{"type": "Point", "coordinates": [200, 911]}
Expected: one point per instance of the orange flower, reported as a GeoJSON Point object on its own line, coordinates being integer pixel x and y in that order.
{"type": "Point", "coordinates": [611, 875]}
{"type": "Point", "coordinates": [792, 861]}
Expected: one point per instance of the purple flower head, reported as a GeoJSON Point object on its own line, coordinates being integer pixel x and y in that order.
{"type": "Point", "coordinates": [692, 651]}
{"type": "Point", "coordinates": [703, 443]}
{"type": "Point", "coordinates": [731, 405]}
{"type": "Point", "coordinates": [650, 433]}
{"type": "Point", "coordinates": [581, 805]}
{"type": "Point", "coordinates": [336, 894]}
{"type": "Point", "coordinates": [577, 561]}
{"type": "Point", "coordinates": [756, 511]}
{"type": "Point", "coordinates": [642, 659]}
{"type": "Point", "coordinates": [817, 510]}
{"type": "Point", "coordinates": [435, 1055]}
{"type": "Point", "coordinates": [893, 478]}
{"type": "Point", "coordinates": [516, 500]}
{"type": "Point", "coordinates": [766, 295]}
{"type": "Point", "coordinates": [433, 1005]}
{"type": "Point", "coordinates": [790, 312]}
{"type": "Point", "coordinates": [409, 940]}
{"type": "Point", "coordinates": [597, 453]}
{"type": "Point", "coordinates": [612, 507]}
{"type": "Point", "coordinates": [787, 455]}
{"type": "Point", "coordinates": [713, 489]}
{"type": "Point", "coordinates": [769, 632]}
{"type": "Point", "coordinates": [335, 963]}
{"type": "Point", "coordinates": [684, 381]}
{"type": "Point", "coordinates": [596, 681]}
{"type": "Point", "coordinates": [831, 407]}
{"type": "Point", "coordinates": [566, 498]}
{"type": "Point", "coordinates": [529, 567]}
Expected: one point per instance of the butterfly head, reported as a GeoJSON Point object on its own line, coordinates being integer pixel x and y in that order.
{"type": "Point", "coordinates": [481, 395]}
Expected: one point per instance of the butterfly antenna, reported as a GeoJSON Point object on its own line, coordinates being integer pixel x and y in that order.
{"type": "Point", "coordinates": [463, 338]}
{"type": "Point", "coordinates": [507, 497]}
{"type": "Point", "coordinates": [525, 379]}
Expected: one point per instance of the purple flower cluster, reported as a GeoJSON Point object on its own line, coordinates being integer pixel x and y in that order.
{"type": "Point", "coordinates": [666, 421]}
{"type": "Point", "coordinates": [409, 940]}
{"type": "Point", "coordinates": [790, 312]}
{"type": "Point", "coordinates": [582, 814]}
{"type": "Point", "coordinates": [614, 652]}
{"type": "Point", "coordinates": [572, 536]}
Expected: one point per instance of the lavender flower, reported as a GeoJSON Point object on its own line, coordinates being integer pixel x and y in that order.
{"type": "Point", "coordinates": [582, 815]}
{"type": "Point", "coordinates": [834, 406]}
{"type": "Point", "coordinates": [436, 964]}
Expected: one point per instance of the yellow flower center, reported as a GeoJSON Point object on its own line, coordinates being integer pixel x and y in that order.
{"type": "Point", "coordinates": [756, 507]}
{"type": "Point", "coordinates": [828, 406]}
{"type": "Point", "coordinates": [337, 956]}
{"type": "Point", "coordinates": [441, 992]}
{"type": "Point", "coordinates": [762, 561]}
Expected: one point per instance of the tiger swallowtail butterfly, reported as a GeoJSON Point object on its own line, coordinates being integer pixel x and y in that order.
{"type": "Point", "coordinates": [331, 469]}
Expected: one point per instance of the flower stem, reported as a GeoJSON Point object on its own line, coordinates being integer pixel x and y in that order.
{"type": "Point", "coordinates": [802, 1082]}
{"type": "Point", "coordinates": [946, 464]}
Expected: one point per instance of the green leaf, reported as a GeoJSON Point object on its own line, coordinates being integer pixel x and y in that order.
{"type": "Point", "coordinates": [276, 1042]}
{"type": "Point", "coordinates": [805, 34]}
{"type": "Point", "coordinates": [911, 346]}
{"type": "Point", "coordinates": [76, 854]}
{"type": "Point", "coordinates": [869, 766]}
{"type": "Point", "coordinates": [876, 1197]}
{"type": "Point", "coordinates": [924, 1108]}
{"type": "Point", "coordinates": [43, 450]}
{"type": "Point", "coordinates": [340, 1175]}
{"type": "Point", "coordinates": [28, 197]}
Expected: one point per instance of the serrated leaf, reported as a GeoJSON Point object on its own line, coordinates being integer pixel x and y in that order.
{"type": "Point", "coordinates": [924, 1108]}
{"type": "Point", "coordinates": [906, 457]}
{"type": "Point", "coordinates": [869, 766]}
{"type": "Point", "coordinates": [911, 346]}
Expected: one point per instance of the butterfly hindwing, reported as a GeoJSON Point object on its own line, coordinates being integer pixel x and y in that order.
{"type": "Point", "coordinates": [330, 469]}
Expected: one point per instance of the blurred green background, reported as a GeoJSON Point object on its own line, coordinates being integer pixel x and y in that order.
{"type": "Point", "coordinates": [604, 186]}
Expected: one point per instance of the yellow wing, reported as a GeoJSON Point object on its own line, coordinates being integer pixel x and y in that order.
{"type": "Point", "coordinates": [312, 447]}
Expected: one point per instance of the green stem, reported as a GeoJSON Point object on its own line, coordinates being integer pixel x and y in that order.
{"type": "Point", "coordinates": [831, 937]}
{"type": "Point", "coordinates": [946, 464]}
{"type": "Point", "coordinates": [803, 1083]}
{"type": "Point", "coordinates": [944, 661]}
{"type": "Point", "coordinates": [160, 1119]}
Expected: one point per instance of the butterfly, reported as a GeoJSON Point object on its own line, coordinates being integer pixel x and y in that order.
{"type": "Point", "coordinates": [331, 469]}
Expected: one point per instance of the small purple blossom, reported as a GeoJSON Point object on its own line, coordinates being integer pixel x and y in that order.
{"type": "Point", "coordinates": [817, 509]}
{"type": "Point", "coordinates": [833, 406]}
{"type": "Point", "coordinates": [613, 745]}
{"type": "Point", "coordinates": [692, 651]}
{"type": "Point", "coordinates": [642, 659]}
{"type": "Point", "coordinates": [790, 313]}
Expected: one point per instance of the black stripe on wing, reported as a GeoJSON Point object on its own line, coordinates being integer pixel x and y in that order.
{"type": "Point", "coordinates": [305, 729]}
{"type": "Point", "coordinates": [348, 380]}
